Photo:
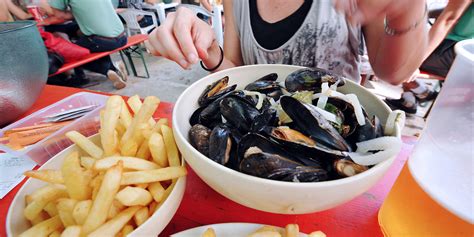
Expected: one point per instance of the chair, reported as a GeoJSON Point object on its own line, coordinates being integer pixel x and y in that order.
{"type": "Point", "coordinates": [160, 9]}
{"type": "Point", "coordinates": [216, 19]}
{"type": "Point", "coordinates": [131, 19]}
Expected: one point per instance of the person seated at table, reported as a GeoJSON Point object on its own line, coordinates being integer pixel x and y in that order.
{"type": "Point", "coordinates": [453, 24]}
{"type": "Point", "coordinates": [101, 31]}
{"type": "Point", "coordinates": [10, 11]}
{"type": "Point", "coordinates": [301, 32]}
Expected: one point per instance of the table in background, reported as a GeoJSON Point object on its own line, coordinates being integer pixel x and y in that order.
{"type": "Point", "coordinates": [201, 205]}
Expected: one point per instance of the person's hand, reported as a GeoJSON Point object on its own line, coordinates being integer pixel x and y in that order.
{"type": "Point", "coordinates": [182, 38]}
{"type": "Point", "coordinates": [364, 11]}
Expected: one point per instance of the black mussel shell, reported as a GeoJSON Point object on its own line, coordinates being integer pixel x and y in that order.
{"type": "Point", "coordinates": [307, 79]}
{"type": "Point", "coordinates": [220, 144]}
{"type": "Point", "coordinates": [269, 77]}
{"type": "Point", "coordinates": [199, 138]}
{"type": "Point", "coordinates": [238, 112]}
{"type": "Point", "coordinates": [212, 90]}
{"type": "Point", "coordinates": [313, 124]}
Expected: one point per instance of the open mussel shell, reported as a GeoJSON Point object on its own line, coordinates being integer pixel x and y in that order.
{"type": "Point", "coordinates": [263, 158]}
{"type": "Point", "coordinates": [311, 123]}
{"type": "Point", "coordinates": [239, 112]}
{"type": "Point", "coordinates": [215, 91]}
{"type": "Point", "coordinates": [296, 142]}
{"type": "Point", "coordinates": [345, 111]}
{"type": "Point", "coordinates": [347, 168]}
{"type": "Point", "coordinates": [307, 79]}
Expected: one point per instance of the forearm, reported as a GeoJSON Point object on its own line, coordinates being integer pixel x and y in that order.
{"type": "Point", "coordinates": [444, 23]}
{"type": "Point", "coordinates": [65, 15]}
{"type": "Point", "coordinates": [395, 57]}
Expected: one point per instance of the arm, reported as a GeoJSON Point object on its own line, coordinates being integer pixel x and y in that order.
{"type": "Point", "coordinates": [17, 11]}
{"type": "Point", "coordinates": [65, 15]}
{"type": "Point", "coordinates": [394, 58]}
{"type": "Point", "coordinates": [59, 10]}
{"type": "Point", "coordinates": [232, 53]}
{"type": "Point", "coordinates": [445, 22]}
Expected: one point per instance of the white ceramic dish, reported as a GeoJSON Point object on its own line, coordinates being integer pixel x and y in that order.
{"type": "Point", "coordinates": [263, 194]}
{"type": "Point", "coordinates": [225, 230]}
{"type": "Point", "coordinates": [16, 223]}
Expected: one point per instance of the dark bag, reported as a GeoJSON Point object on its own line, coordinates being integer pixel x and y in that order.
{"type": "Point", "coordinates": [55, 61]}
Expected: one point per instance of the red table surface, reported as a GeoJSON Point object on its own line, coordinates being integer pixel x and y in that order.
{"type": "Point", "coordinates": [202, 206]}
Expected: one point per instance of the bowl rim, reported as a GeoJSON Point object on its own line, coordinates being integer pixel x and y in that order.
{"type": "Point", "coordinates": [9, 221]}
{"type": "Point", "coordinates": [259, 180]}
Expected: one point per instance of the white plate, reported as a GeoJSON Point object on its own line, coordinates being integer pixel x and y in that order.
{"type": "Point", "coordinates": [225, 230]}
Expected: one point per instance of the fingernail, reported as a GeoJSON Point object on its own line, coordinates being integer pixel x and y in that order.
{"type": "Point", "coordinates": [183, 63]}
{"type": "Point", "coordinates": [192, 58]}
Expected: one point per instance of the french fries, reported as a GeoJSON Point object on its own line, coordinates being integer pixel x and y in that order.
{"type": "Point", "coordinates": [72, 231]}
{"type": "Point", "coordinates": [49, 176]}
{"type": "Point", "coordinates": [128, 163]}
{"type": "Point", "coordinates": [171, 149]}
{"type": "Point", "coordinates": [111, 119]}
{"type": "Point", "coordinates": [291, 230]}
{"type": "Point", "coordinates": [85, 144]}
{"type": "Point", "coordinates": [75, 179]}
{"type": "Point", "coordinates": [113, 188]}
{"type": "Point", "coordinates": [44, 228]}
{"type": "Point", "coordinates": [81, 211]}
{"type": "Point", "coordinates": [35, 207]}
{"type": "Point", "coordinates": [105, 196]}
{"type": "Point", "coordinates": [65, 208]}
{"type": "Point", "coordinates": [133, 196]}
{"type": "Point", "coordinates": [141, 216]}
{"type": "Point", "coordinates": [150, 176]}
{"type": "Point", "coordinates": [113, 226]}
{"type": "Point", "coordinates": [157, 149]}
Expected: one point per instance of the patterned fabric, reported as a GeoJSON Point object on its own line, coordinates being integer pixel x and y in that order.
{"type": "Point", "coordinates": [324, 40]}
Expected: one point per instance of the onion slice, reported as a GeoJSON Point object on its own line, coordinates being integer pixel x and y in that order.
{"type": "Point", "coordinates": [259, 96]}
{"type": "Point", "coordinates": [352, 98]}
{"type": "Point", "coordinates": [327, 115]}
{"type": "Point", "coordinates": [396, 117]}
{"type": "Point", "coordinates": [323, 100]}
{"type": "Point", "coordinates": [387, 147]}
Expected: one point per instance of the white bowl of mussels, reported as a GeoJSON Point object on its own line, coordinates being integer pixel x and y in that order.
{"type": "Point", "coordinates": [285, 139]}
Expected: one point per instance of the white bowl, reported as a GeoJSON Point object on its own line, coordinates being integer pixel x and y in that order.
{"type": "Point", "coordinates": [17, 223]}
{"type": "Point", "coordinates": [270, 195]}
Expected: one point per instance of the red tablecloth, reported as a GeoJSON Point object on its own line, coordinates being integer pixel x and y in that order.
{"type": "Point", "coordinates": [201, 205]}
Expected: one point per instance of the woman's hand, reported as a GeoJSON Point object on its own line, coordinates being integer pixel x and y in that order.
{"type": "Point", "coordinates": [183, 38]}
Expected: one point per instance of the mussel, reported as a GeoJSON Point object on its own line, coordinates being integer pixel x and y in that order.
{"type": "Point", "coordinates": [307, 79]}
{"type": "Point", "coordinates": [215, 91]}
{"type": "Point", "coordinates": [220, 144]}
{"type": "Point", "coordinates": [262, 158]}
{"type": "Point", "coordinates": [199, 138]}
{"type": "Point", "coordinates": [238, 112]}
{"type": "Point", "coordinates": [312, 123]}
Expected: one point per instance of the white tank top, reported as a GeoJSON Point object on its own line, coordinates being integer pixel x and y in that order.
{"type": "Point", "coordinates": [324, 40]}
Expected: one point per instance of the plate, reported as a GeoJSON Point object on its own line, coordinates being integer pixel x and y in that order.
{"type": "Point", "coordinates": [225, 230]}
